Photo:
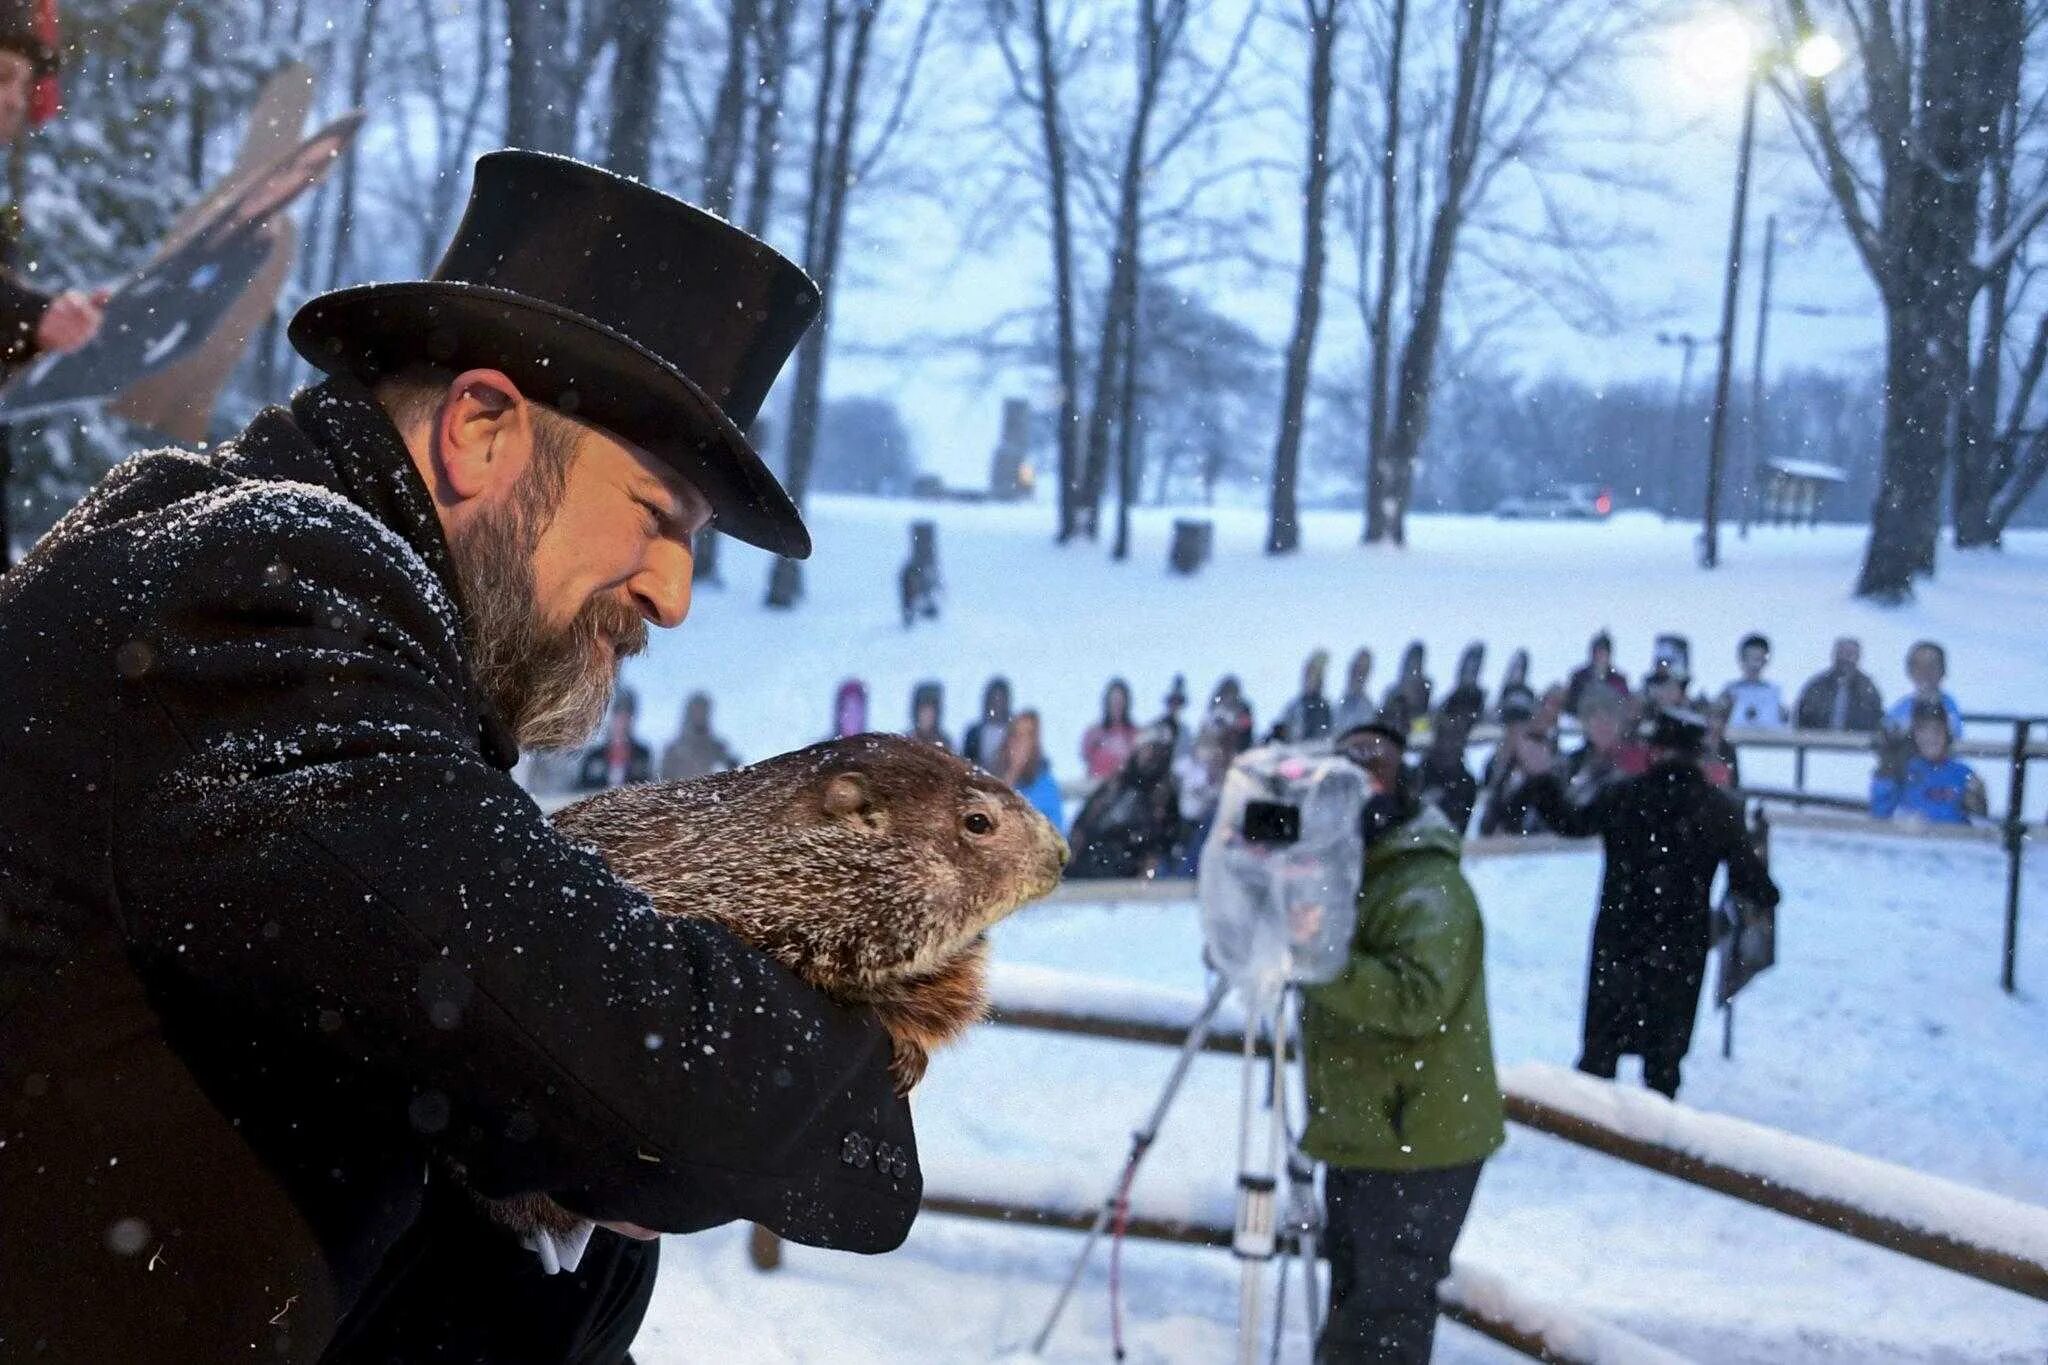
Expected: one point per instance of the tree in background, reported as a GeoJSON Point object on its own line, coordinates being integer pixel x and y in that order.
{"type": "Point", "coordinates": [1457, 123]}
{"type": "Point", "coordinates": [1904, 138]}
{"type": "Point", "coordinates": [837, 164]}
{"type": "Point", "coordinates": [1321, 19]}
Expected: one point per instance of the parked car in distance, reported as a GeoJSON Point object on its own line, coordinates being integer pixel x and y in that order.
{"type": "Point", "coordinates": [1569, 502]}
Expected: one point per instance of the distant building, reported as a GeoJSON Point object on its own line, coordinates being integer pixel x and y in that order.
{"type": "Point", "coordinates": [1010, 473]}
{"type": "Point", "coordinates": [1793, 491]}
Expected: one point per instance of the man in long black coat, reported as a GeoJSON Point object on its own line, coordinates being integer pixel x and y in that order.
{"type": "Point", "coordinates": [283, 948]}
{"type": "Point", "coordinates": [1665, 832]}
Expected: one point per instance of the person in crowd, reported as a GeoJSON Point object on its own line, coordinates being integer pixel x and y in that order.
{"type": "Point", "coordinates": [1927, 670]}
{"type": "Point", "coordinates": [1665, 834]}
{"type": "Point", "coordinates": [928, 714]}
{"type": "Point", "coordinates": [1442, 779]}
{"type": "Point", "coordinates": [300, 948]}
{"type": "Point", "coordinates": [1171, 719]}
{"type": "Point", "coordinates": [1842, 697]}
{"type": "Point", "coordinates": [1199, 773]}
{"type": "Point", "coordinates": [1753, 702]}
{"type": "Point", "coordinates": [1108, 743]}
{"type": "Point", "coordinates": [1412, 687]}
{"type": "Point", "coordinates": [1130, 825]}
{"type": "Point", "coordinates": [618, 758]}
{"type": "Point", "coordinates": [1516, 679]}
{"type": "Point", "coordinates": [1231, 714]}
{"type": "Point", "coordinates": [696, 751]}
{"type": "Point", "coordinates": [1307, 718]}
{"type": "Point", "coordinates": [1025, 767]}
{"type": "Point", "coordinates": [1598, 673]}
{"type": "Point", "coordinates": [1719, 762]}
{"type": "Point", "coordinates": [982, 745]}
{"type": "Point", "coordinates": [849, 710]}
{"type": "Point", "coordinates": [1355, 707]}
{"type": "Point", "coordinates": [1403, 1100]}
{"type": "Point", "coordinates": [1466, 696]}
{"type": "Point", "coordinates": [1918, 777]}
{"type": "Point", "coordinates": [1503, 809]}
{"type": "Point", "coordinates": [1665, 686]}
{"type": "Point", "coordinates": [1607, 753]}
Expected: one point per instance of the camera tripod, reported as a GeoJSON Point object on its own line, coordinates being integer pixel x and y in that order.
{"type": "Point", "coordinates": [1266, 1225]}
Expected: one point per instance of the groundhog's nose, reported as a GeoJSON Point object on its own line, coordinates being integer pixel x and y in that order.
{"type": "Point", "coordinates": [1066, 852]}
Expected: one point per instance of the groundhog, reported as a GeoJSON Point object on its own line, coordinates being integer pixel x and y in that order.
{"type": "Point", "coordinates": [871, 867]}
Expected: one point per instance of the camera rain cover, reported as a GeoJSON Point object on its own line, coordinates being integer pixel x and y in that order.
{"type": "Point", "coordinates": [1275, 912]}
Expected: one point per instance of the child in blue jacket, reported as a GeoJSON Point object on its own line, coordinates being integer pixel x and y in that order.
{"type": "Point", "coordinates": [1929, 785]}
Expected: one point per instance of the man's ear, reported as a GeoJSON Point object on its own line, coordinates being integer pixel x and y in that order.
{"type": "Point", "coordinates": [483, 434]}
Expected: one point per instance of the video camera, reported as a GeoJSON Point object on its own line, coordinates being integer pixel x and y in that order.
{"type": "Point", "coordinates": [1280, 870]}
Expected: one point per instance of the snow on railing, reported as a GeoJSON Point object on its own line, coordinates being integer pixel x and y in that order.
{"type": "Point", "coordinates": [1984, 1235]}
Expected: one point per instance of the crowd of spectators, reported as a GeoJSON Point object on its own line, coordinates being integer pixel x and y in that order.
{"type": "Point", "coordinates": [1151, 786]}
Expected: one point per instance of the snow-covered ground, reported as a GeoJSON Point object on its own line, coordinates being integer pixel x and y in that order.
{"type": "Point", "coordinates": [1882, 1030]}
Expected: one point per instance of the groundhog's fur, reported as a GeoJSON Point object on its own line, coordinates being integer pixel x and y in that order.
{"type": "Point", "coordinates": [862, 865]}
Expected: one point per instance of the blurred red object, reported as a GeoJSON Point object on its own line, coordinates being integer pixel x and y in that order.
{"type": "Point", "coordinates": [48, 98]}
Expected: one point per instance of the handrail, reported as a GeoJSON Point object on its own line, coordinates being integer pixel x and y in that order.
{"type": "Point", "coordinates": [2017, 1261]}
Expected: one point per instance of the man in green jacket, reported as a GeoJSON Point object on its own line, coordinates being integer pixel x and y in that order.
{"type": "Point", "coordinates": [1404, 1106]}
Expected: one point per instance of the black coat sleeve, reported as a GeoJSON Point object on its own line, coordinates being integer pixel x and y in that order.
{"type": "Point", "coordinates": [1747, 875]}
{"type": "Point", "coordinates": [21, 309]}
{"type": "Point", "coordinates": [1576, 820]}
{"type": "Point", "coordinates": [310, 833]}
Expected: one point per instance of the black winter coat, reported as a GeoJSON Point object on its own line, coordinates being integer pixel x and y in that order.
{"type": "Point", "coordinates": [1665, 833]}
{"type": "Point", "coordinates": [1815, 710]}
{"type": "Point", "coordinates": [280, 940]}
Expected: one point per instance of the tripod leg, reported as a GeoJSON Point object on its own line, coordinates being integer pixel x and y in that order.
{"type": "Point", "coordinates": [1141, 1142]}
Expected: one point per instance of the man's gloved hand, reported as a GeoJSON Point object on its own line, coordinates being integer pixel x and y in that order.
{"type": "Point", "coordinates": [72, 319]}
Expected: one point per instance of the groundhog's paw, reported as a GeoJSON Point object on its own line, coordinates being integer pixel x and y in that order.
{"type": "Point", "coordinates": [907, 1064]}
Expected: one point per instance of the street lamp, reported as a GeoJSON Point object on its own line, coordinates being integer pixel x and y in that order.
{"type": "Point", "coordinates": [1721, 43]}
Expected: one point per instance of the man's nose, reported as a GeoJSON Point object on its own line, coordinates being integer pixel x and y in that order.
{"type": "Point", "coordinates": [662, 587]}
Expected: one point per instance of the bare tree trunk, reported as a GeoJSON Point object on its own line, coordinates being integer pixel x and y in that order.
{"type": "Point", "coordinates": [640, 35]}
{"type": "Point", "coordinates": [1928, 305]}
{"type": "Point", "coordinates": [1983, 460]}
{"type": "Point", "coordinates": [540, 61]}
{"type": "Point", "coordinates": [1283, 532]}
{"type": "Point", "coordinates": [831, 178]}
{"type": "Point", "coordinates": [1478, 34]}
{"type": "Point", "coordinates": [345, 188]}
{"type": "Point", "coordinates": [1382, 327]}
{"type": "Point", "coordinates": [771, 66]}
{"type": "Point", "coordinates": [202, 43]}
{"type": "Point", "coordinates": [722, 143]}
{"type": "Point", "coordinates": [1160, 25]}
{"type": "Point", "coordinates": [1066, 357]}
{"type": "Point", "coordinates": [1126, 442]}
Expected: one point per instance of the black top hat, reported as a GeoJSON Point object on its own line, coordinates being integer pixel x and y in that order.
{"type": "Point", "coordinates": [18, 34]}
{"type": "Point", "coordinates": [611, 302]}
{"type": "Point", "coordinates": [1677, 729]}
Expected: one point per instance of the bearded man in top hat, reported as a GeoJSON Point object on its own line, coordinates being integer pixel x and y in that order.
{"type": "Point", "coordinates": [281, 943]}
{"type": "Point", "coordinates": [1665, 833]}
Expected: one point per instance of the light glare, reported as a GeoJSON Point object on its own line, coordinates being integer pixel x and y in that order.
{"type": "Point", "coordinates": [1818, 55]}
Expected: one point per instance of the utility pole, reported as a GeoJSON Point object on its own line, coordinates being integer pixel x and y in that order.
{"type": "Point", "coordinates": [1756, 378]}
{"type": "Point", "coordinates": [1717, 425]}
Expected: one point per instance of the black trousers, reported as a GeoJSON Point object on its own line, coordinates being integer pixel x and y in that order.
{"type": "Point", "coordinates": [1389, 1236]}
{"type": "Point", "coordinates": [460, 1290]}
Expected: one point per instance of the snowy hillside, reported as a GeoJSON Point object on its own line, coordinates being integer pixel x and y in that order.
{"type": "Point", "coordinates": [1882, 1030]}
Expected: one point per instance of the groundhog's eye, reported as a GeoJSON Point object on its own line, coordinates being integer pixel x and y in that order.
{"type": "Point", "coordinates": [977, 823]}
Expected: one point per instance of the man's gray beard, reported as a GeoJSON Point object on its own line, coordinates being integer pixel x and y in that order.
{"type": "Point", "coordinates": [549, 686]}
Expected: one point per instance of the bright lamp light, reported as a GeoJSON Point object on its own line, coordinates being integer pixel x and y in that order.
{"type": "Point", "coordinates": [1718, 49]}
{"type": "Point", "coordinates": [1817, 55]}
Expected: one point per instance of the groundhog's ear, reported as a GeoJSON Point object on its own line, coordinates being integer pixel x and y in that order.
{"type": "Point", "coordinates": [847, 798]}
